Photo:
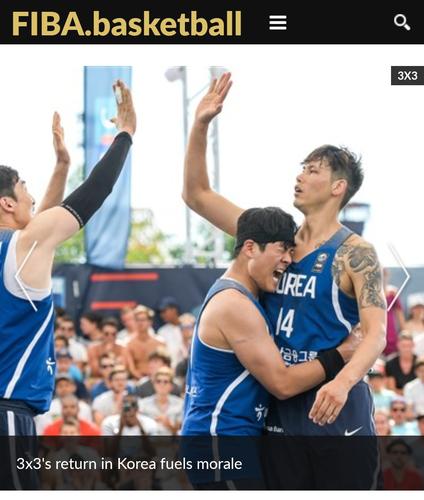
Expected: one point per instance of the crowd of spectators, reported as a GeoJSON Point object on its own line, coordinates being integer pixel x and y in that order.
{"type": "Point", "coordinates": [119, 376]}
{"type": "Point", "coordinates": [397, 386]}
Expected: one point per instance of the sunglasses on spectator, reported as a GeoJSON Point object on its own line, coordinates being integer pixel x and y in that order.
{"type": "Point", "coordinates": [162, 381]}
{"type": "Point", "coordinates": [398, 408]}
{"type": "Point", "coordinates": [399, 452]}
{"type": "Point", "coordinates": [106, 366]}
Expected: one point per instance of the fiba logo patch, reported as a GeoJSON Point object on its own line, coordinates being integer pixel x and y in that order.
{"type": "Point", "coordinates": [320, 262]}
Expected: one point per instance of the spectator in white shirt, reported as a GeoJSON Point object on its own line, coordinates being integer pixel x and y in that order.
{"type": "Point", "coordinates": [414, 391]}
{"type": "Point", "coordinates": [163, 407]}
{"type": "Point", "coordinates": [129, 422]}
{"type": "Point", "coordinates": [169, 311]}
{"type": "Point", "coordinates": [110, 402]}
{"type": "Point", "coordinates": [76, 347]}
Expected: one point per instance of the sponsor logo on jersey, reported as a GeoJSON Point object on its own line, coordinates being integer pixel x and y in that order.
{"type": "Point", "coordinates": [320, 262]}
{"type": "Point", "coordinates": [351, 433]}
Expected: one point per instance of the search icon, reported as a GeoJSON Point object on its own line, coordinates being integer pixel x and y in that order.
{"type": "Point", "coordinates": [400, 21]}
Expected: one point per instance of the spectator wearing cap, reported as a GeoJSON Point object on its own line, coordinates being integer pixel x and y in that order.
{"type": "Point", "coordinates": [169, 311]}
{"type": "Point", "coordinates": [401, 474]}
{"type": "Point", "coordinates": [399, 419]}
{"type": "Point", "coordinates": [163, 407]}
{"type": "Point", "coordinates": [414, 391]}
{"type": "Point", "coordinates": [142, 344]}
{"type": "Point", "coordinates": [65, 364]}
{"type": "Point", "coordinates": [76, 348]}
{"type": "Point", "coordinates": [90, 325]}
{"type": "Point", "coordinates": [395, 315]}
{"type": "Point", "coordinates": [70, 409]}
{"type": "Point", "coordinates": [106, 365]}
{"type": "Point", "coordinates": [127, 318]}
{"type": "Point", "coordinates": [110, 402]}
{"type": "Point", "coordinates": [64, 386]}
{"type": "Point", "coordinates": [107, 345]}
{"type": "Point", "coordinates": [157, 359]}
{"type": "Point", "coordinates": [400, 366]}
{"type": "Point", "coordinates": [381, 395]}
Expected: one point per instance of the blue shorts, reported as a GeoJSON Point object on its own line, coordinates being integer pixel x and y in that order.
{"type": "Point", "coordinates": [17, 441]}
{"type": "Point", "coordinates": [299, 454]}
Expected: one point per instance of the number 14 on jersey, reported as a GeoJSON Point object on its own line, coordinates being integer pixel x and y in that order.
{"type": "Point", "coordinates": [285, 322]}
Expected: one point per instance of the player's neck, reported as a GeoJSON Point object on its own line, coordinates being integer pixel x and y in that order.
{"type": "Point", "coordinates": [317, 228]}
{"type": "Point", "coordinates": [7, 222]}
{"type": "Point", "coordinates": [238, 272]}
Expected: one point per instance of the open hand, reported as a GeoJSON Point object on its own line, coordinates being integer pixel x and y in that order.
{"type": "Point", "coordinates": [62, 155]}
{"type": "Point", "coordinates": [126, 120]}
{"type": "Point", "coordinates": [328, 403]}
{"type": "Point", "coordinates": [213, 101]}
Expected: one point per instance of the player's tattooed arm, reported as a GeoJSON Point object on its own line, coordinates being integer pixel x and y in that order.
{"type": "Point", "coordinates": [356, 271]}
{"type": "Point", "coordinates": [360, 262]}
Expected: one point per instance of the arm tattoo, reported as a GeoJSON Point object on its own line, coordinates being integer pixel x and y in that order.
{"type": "Point", "coordinates": [361, 259]}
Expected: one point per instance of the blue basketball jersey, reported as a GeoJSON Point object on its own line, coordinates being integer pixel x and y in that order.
{"type": "Point", "coordinates": [308, 311]}
{"type": "Point", "coordinates": [309, 314]}
{"type": "Point", "coordinates": [27, 362]}
{"type": "Point", "coordinates": [222, 397]}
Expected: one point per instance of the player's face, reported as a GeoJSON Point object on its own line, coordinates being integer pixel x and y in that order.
{"type": "Point", "coordinates": [267, 266]}
{"type": "Point", "coordinates": [24, 208]}
{"type": "Point", "coordinates": [313, 186]}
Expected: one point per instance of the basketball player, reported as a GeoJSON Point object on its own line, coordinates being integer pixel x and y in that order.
{"type": "Point", "coordinates": [232, 354]}
{"type": "Point", "coordinates": [333, 283]}
{"type": "Point", "coordinates": [27, 247]}
{"type": "Point", "coordinates": [234, 363]}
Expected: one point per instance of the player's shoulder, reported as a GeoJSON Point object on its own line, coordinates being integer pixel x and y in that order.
{"type": "Point", "coordinates": [233, 304]}
{"type": "Point", "coordinates": [356, 241]}
{"type": "Point", "coordinates": [356, 251]}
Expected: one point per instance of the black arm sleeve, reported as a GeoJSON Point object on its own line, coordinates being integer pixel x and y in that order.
{"type": "Point", "coordinates": [89, 197]}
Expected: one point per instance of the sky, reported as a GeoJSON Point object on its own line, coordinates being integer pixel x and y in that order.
{"type": "Point", "coordinates": [285, 101]}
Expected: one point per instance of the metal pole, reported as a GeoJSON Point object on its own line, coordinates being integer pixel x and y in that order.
{"type": "Point", "coordinates": [188, 254]}
{"type": "Point", "coordinates": [218, 234]}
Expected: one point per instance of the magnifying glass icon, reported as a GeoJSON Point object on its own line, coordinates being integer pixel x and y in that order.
{"type": "Point", "coordinates": [400, 21]}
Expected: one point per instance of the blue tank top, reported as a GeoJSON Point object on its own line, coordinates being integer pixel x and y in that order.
{"type": "Point", "coordinates": [27, 362]}
{"type": "Point", "coordinates": [308, 311]}
{"type": "Point", "coordinates": [222, 397]}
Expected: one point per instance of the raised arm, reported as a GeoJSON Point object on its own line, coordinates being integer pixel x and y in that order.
{"type": "Point", "coordinates": [53, 226]}
{"type": "Point", "coordinates": [358, 262]}
{"type": "Point", "coordinates": [56, 188]}
{"type": "Point", "coordinates": [197, 192]}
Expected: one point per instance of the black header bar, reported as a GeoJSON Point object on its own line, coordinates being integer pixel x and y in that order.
{"type": "Point", "coordinates": [201, 22]}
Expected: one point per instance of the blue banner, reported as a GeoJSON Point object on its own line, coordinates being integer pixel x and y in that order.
{"type": "Point", "coordinates": [106, 234]}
